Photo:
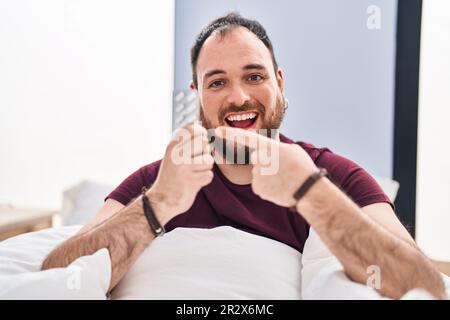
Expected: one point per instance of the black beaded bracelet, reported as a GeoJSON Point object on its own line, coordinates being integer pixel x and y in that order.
{"type": "Point", "coordinates": [309, 183]}
{"type": "Point", "coordinates": [157, 228]}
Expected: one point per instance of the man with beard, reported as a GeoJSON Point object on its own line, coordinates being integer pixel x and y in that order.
{"type": "Point", "coordinates": [241, 89]}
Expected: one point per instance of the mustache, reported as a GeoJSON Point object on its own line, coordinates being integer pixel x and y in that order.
{"type": "Point", "coordinates": [248, 106]}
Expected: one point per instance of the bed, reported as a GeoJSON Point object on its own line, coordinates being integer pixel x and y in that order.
{"type": "Point", "coordinates": [188, 263]}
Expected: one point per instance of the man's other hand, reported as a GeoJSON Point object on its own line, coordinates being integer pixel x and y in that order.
{"type": "Point", "coordinates": [279, 169]}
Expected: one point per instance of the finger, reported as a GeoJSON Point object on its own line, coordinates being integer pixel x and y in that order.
{"type": "Point", "coordinates": [199, 146]}
{"type": "Point", "coordinates": [202, 162]}
{"type": "Point", "coordinates": [254, 159]}
{"type": "Point", "coordinates": [256, 189]}
{"type": "Point", "coordinates": [241, 137]}
{"type": "Point", "coordinates": [188, 132]}
{"type": "Point", "coordinates": [204, 178]}
{"type": "Point", "coordinates": [196, 128]}
{"type": "Point", "coordinates": [256, 168]}
{"type": "Point", "coordinates": [261, 148]}
{"type": "Point", "coordinates": [189, 145]}
{"type": "Point", "coordinates": [190, 153]}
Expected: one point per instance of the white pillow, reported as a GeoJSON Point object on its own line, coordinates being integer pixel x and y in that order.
{"type": "Point", "coordinates": [219, 263]}
{"type": "Point", "coordinates": [20, 276]}
{"type": "Point", "coordinates": [26, 252]}
{"type": "Point", "coordinates": [86, 278]}
{"type": "Point", "coordinates": [323, 277]}
{"type": "Point", "coordinates": [82, 202]}
{"type": "Point", "coordinates": [187, 263]}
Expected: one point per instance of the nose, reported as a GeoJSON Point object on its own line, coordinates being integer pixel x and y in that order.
{"type": "Point", "coordinates": [237, 96]}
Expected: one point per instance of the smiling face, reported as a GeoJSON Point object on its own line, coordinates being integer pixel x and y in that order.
{"type": "Point", "coordinates": [237, 83]}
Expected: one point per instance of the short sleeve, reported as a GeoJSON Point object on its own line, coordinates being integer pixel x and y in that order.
{"type": "Point", "coordinates": [131, 187]}
{"type": "Point", "coordinates": [356, 182]}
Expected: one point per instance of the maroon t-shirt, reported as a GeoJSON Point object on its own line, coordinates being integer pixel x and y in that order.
{"type": "Point", "coordinates": [224, 203]}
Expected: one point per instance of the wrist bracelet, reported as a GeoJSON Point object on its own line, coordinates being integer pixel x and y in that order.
{"type": "Point", "coordinates": [157, 228]}
{"type": "Point", "coordinates": [309, 183]}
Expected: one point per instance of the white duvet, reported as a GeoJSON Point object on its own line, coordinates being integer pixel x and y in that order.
{"type": "Point", "coordinates": [186, 263]}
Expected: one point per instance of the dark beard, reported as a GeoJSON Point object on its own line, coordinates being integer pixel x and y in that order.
{"type": "Point", "coordinates": [230, 152]}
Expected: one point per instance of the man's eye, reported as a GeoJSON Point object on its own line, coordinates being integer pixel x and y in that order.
{"type": "Point", "coordinates": [255, 78]}
{"type": "Point", "coordinates": [216, 84]}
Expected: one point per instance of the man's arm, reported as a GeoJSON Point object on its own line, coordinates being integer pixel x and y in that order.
{"type": "Point", "coordinates": [359, 242]}
{"type": "Point", "coordinates": [355, 239]}
{"type": "Point", "coordinates": [125, 234]}
{"type": "Point", "coordinates": [383, 214]}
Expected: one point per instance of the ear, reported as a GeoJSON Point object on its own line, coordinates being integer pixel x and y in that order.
{"type": "Point", "coordinates": [192, 85]}
{"type": "Point", "coordinates": [280, 79]}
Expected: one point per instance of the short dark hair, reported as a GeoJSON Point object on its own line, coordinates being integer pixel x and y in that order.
{"type": "Point", "coordinates": [223, 25]}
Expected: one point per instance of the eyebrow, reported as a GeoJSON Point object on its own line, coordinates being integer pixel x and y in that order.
{"type": "Point", "coordinates": [212, 73]}
{"type": "Point", "coordinates": [250, 66]}
{"type": "Point", "coordinates": [254, 66]}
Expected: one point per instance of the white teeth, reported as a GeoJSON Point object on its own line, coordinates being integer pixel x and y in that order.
{"type": "Point", "coordinates": [241, 117]}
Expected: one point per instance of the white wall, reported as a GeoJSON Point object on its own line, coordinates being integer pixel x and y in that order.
{"type": "Point", "coordinates": [85, 93]}
{"type": "Point", "coordinates": [433, 172]}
